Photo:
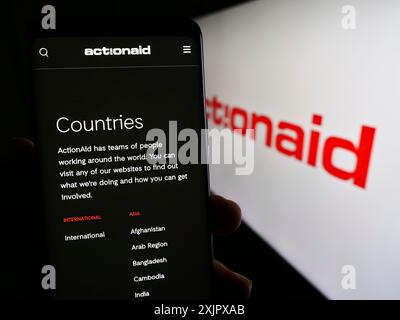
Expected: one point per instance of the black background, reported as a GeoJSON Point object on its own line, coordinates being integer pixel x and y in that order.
{"type": "Point", "coordinates": [243, 251]}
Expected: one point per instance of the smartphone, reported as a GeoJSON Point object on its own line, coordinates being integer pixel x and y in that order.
{"type": "Point", "coordinates": [125, 218]}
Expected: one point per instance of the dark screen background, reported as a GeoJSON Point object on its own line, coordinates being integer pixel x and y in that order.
{"type": "Point", "coordinates": [102, 268]}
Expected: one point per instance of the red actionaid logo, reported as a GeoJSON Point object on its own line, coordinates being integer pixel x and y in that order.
{"type": "Point", "coordinates": [276, 135]}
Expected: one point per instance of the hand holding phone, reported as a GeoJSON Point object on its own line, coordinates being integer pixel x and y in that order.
{"type": "Point", "coordinates": [224, 219]}
{"type": "Point", "coordinates": [125, 217]}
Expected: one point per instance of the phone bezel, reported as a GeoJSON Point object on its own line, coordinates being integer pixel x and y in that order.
{"type": "Point", "coordinates": [123, 27]}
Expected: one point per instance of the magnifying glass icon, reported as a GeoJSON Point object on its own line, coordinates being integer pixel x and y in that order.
{"type": "Point", "coordinates": [44, 52]}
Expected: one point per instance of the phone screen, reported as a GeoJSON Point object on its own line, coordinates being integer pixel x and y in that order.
{"type": "Point", "coordinates": [118, 225]}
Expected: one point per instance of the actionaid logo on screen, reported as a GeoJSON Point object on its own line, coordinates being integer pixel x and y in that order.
{"type": "Point", "coordinates": [289, 139]}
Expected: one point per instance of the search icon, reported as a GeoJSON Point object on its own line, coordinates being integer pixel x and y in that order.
{"type": "Point", "coordinates": [44, 52]}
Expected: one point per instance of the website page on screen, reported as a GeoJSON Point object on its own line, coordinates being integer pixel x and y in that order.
{"type": "Point", "coordinates": [119, 225]}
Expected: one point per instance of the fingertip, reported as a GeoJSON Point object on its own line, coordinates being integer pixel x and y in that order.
{"type": "Point", "coordinates": [226, 215]}
{"type": "Point", "coordinates": [21, 147]}
{"type": "Point", "coordinates": [230, 284]}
